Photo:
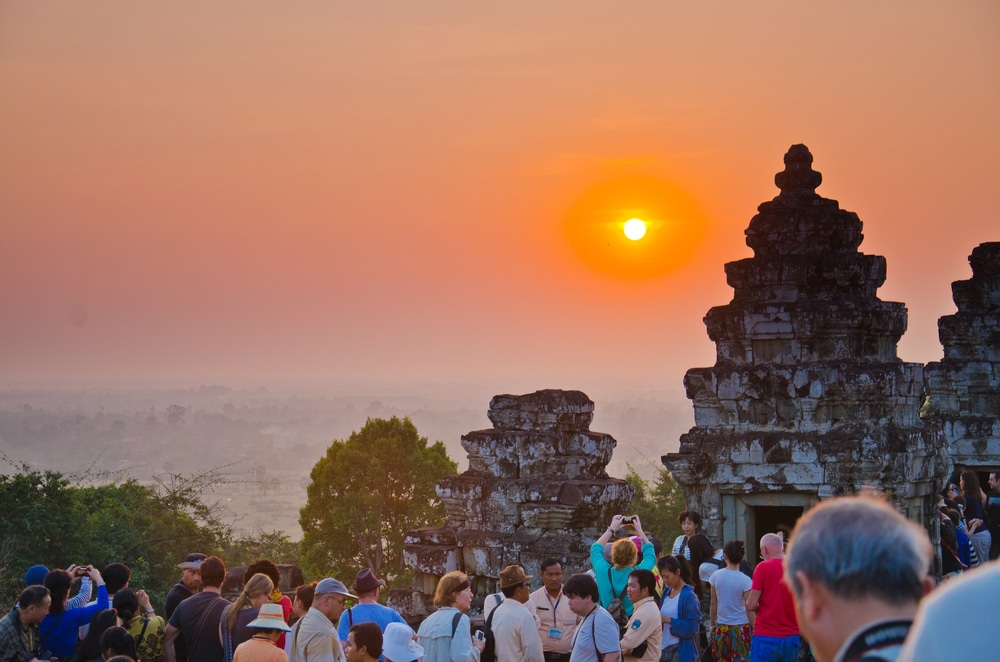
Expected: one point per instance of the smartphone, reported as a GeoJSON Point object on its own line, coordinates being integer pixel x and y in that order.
{"type": "Point", "coordinates": [480, 635]}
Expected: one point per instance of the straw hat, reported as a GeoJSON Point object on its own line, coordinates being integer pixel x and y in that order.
{"type": "Point", "coordinates": [270, 617]}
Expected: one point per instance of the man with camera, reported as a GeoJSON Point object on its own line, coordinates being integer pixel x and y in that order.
{"type": "Point", "coordinates": [19, 637]}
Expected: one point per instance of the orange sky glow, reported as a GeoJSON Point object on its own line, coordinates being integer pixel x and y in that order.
{"type": "Point", "coordinates": [257, 191]}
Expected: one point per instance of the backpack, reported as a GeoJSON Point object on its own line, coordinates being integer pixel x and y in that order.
{"type": "Point", "coordinates": [617, 608]}
{"type": "Point", "coordinates": [489, 653]}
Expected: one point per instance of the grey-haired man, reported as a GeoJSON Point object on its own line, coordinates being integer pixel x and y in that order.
{"type": "Point", "coordinates": [857, 569]}
{"type": "Point", "coordinates": [314, 637]}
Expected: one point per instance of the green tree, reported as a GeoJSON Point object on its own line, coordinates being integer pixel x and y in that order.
{"type": "Point", "coordinates": [657, 502]}
{"type": "Point", "coordinates": [54, 520]}
{"type": "Point", "coordinates": [365, 494]}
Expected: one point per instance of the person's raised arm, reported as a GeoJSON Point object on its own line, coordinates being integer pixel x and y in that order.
{"type": "Point", "coordinates": [616, 523]}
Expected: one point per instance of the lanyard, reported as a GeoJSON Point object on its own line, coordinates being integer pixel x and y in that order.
{"type": "Point", "coordinates": [554, 606]}
{"type": "Point", "coordinates": [30, 638]}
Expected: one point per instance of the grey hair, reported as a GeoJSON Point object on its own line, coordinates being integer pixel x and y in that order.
{"type": "Point", "coordinates": [857, 547]}
{"type": "Point", "coordinates": [772, 541]}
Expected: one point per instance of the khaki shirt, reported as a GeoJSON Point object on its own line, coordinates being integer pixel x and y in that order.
{"type": "Point", "coordinates": [554, 615]}
{"type": "Point", "coordinates": [645, 624]}
{"type": "Point", "coordinates": [314, 639]}
{"type": "Point", "coordinates": [516, 634]}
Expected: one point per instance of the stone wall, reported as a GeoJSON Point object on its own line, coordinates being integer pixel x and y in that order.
{"type": "Point", "coordinates": [807, 398]}
{"type": "Point", "coordinates": [536, 487]}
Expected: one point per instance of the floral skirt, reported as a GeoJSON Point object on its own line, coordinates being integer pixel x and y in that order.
{"type": "Point", "coordinates": [730, 643]}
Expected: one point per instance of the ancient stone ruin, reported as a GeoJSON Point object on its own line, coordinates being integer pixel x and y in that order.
{"type": "Point", "coordinates": [964, 387]}
{"type": "Point", "coordinates": [807, 398]}
{"type": "Point", "coordinates": [536, 487]}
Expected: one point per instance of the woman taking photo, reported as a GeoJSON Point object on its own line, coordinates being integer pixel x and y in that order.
{"type": "Point", "coordinates": [612, 578]}
{"type": "Point", "coordinates": [244, 609]}
{"type": "Point", "coordinates": [59, 629]}
{"type": "Point", "coordinates": [145, 629]}
{"type": "Point", "coordinates": [446, 635]}
{"type": "Point", "coordinates": [680, 611]}
{"type": "Point", "coordinates": [729, 640]}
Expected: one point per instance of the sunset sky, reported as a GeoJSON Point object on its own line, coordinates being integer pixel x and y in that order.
{"type": "Point", "coordinates": [254, 192]}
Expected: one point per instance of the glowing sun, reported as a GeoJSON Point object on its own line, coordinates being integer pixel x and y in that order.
{"type": "Point", "coordinates": [635, 229]}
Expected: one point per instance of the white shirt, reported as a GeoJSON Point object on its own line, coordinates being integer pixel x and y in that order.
{"type": "Point", "coordinates": [493, 600]}
{"type": "Point", "coordinates": [730, 585]}
{"type": "Point", "coordinates": [515, 633]}
{"type": "Point", "coordinates": [669, 607]}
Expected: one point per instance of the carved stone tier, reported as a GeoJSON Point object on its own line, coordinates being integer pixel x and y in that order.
{"type": "Point", "coordinates": [965, 385]}
{"type": "Point", "coordinates": [807, 398]}
{"type": "Point", "coordinates": [536, 487]}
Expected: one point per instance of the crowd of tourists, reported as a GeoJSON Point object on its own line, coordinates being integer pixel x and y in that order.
{"type": "Point", "coordinates": [854, 583]}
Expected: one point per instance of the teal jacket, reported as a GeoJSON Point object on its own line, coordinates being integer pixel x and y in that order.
{"type": "Point", "coordinates": [619, 576]}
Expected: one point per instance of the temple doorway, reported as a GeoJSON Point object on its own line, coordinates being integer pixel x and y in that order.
{"type": "Point", "coordinates": [773, 519]}
{"type": "Point", "coordinates": [747, 517]}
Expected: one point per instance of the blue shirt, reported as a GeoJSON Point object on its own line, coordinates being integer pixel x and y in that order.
{"type": "Point", "coordinates": [367, 613]}
{"type": "Point", "coordinates": [59, 631]}
{"type": "Point", "coordinates": [597, 632]}
{"type": "Point", "coordinates": [375, 613]}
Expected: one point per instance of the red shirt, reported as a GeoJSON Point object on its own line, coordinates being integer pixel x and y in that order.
{"type": "Point", "coordinates": [776, 611]}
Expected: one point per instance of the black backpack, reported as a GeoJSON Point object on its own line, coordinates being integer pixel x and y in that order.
{"type": "Point", "coordinates": [616, 608]}
{"type": "Point", "coordinates": [489, 653]}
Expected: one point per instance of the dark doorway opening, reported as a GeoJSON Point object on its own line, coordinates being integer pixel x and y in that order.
{"type": "Point", "coordinates": [773, 519]}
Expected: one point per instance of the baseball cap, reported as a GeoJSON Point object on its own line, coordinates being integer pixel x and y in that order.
{"type": "Point", "coordinates": [331, 585]}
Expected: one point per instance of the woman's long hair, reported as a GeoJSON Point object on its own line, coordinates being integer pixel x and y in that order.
{"type": "Point", "coordinates": [90, 647]}
{"type": "Point", "coordinates": [59, 583]}
{"type": "Point", "coordinates": [970, 486]}
{"type": "Point", "coordinates": [258, 585]}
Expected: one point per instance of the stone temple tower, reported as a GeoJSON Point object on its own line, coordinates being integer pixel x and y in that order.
{"type": "Point", "coordinates": [807, 398]}
{"type": "Point", "coordinates": [964, 387]}
{"type": "Point", "coordinates": [536, 487]}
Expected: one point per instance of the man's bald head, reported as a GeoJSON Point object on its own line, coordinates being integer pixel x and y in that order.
{"type": "Point", "coordinates": [772, 545]}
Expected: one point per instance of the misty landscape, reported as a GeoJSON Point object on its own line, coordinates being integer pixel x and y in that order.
{"type": "Point", "coordinates": [262, 443]}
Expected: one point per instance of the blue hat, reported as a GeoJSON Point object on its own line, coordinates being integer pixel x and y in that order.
{"type": "Point", "coordinates": [330, 585]}
{"type": "Point", "coordinates": [35, 575]}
